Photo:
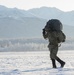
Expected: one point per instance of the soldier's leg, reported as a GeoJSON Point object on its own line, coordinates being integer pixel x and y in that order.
{"type": "Point", "coordinates": [53, 55]}
{"type": "Point", "coordinates": [53, 51]}
{"type": "Point", "coordinates": [60, 61]}
{"type": "Point", "coordinates": [53, 63]}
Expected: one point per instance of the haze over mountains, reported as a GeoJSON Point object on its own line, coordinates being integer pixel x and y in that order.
{"type": "Point", "coordinates": [21, 23]}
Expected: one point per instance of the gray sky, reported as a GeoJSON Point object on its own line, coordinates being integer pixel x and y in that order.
{"type": "Point", "coordinates": [65, 5]}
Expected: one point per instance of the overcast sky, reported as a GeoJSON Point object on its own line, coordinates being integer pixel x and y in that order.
{"type": "Point", "coordinates": [65, 5]}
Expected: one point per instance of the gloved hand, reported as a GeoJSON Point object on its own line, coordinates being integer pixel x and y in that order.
{"type": "Point", "coordinates": [44, 34]}
{"type": "Point", "coordinates": [63, 40]}
{"type": "Point", "coordinates": [43, 31]}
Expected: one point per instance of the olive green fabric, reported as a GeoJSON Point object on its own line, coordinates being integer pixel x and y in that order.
{"type": "Point", "coordinates": [53, 43]}
{"type": "Point", "coordinates": [54, 39]}
{"type": "Point", "coordinates": [53, 51]}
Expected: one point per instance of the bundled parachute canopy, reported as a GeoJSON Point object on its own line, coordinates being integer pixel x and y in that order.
{"type": "Point", "coordinates": [54, 25]}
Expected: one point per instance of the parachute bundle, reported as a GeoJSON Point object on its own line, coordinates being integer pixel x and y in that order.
{"type": "Point", "coordinates": [54, 25]}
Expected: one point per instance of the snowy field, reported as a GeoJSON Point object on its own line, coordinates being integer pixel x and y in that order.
{"type": "Point", "coordinates": [35, 63]}
{"type": "Point", "coordinates": [30, 56]}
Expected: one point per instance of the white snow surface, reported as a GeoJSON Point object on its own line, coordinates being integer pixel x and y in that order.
{"type": "Point", "coordinates": [35, 63]}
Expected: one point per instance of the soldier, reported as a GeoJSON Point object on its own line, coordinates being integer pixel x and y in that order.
{"type": "Point", "coordinates": [53, 45]}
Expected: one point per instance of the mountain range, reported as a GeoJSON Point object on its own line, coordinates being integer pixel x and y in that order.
{"type": "Point", "coordinates": [29, 23]}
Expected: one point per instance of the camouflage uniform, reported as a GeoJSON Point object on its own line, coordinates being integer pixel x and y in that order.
{"type": "Point", "coordinates": [53, 47]}
{"type": "Point", "coordinates": [53, 44]}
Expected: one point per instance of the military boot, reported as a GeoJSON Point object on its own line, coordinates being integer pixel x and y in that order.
{"type": "Point", "coordinates": [61, 62]}
{"type": "Point", "coordinates": [53, 63]}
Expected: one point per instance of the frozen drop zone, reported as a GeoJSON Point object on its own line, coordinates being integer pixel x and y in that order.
{"type": "Point", "coordinates": [35, 63]}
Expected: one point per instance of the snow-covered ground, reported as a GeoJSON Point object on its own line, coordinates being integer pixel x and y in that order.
{"type": "Point", "coordinates": [35, 63]}
{"type": "Point", "coordinates": [30, 56]}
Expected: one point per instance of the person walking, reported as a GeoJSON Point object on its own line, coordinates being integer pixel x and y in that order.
{"type": "Point", "coordinates": [54, 36]}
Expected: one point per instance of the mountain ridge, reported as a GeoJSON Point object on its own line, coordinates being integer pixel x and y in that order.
{"type": "Point", "coordinates": [21, 23]}
{"type": "Point", "coordinates": [49, 13]}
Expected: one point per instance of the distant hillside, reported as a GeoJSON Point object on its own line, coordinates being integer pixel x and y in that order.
{"type": "Point", "coordinates": [68, 30]}
{"type": "Point", "coordinates": [27, 27]}
{"type": "Point", "coordinates": [51, 12]}
{"type": "Point", "coordinates": [20, 23]}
